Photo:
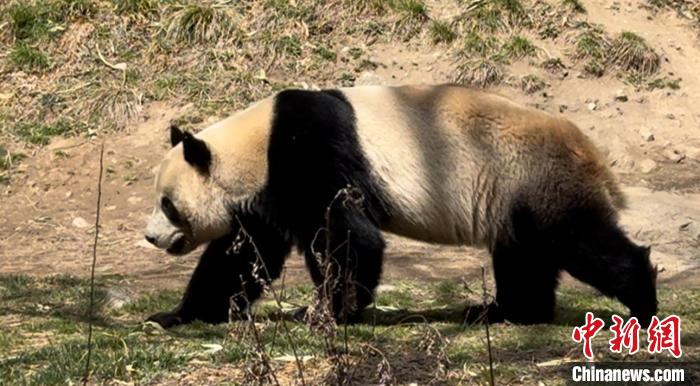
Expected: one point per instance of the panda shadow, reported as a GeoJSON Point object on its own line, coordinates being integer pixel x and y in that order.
{"type": "Point", "coordinates": [463, 314]}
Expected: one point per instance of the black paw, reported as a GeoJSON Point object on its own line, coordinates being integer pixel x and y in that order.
{"type": "Point", "coordinates": [166, 319]}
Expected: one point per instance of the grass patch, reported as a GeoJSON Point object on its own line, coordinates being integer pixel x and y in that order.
{"type": "Point", "coordinates": [412, 14]}
{"type": "Point", "coordinates": [494, 15]}
{"type": "Point", "coordinates": [202, 22]}
{"type": "Point", "coordinates": [662, 83]}
{"type": "Point", "coordinates": [476, 44]}
{"type": "Point", "coordinates": [48, 348]}
{"type": "Point", "coordinates": [479, 73]}
{"type": "Point", "coordinates": [531, 84]}
{"type": "Point", "coordinates": [141, 7]}
{"type": "Point", "coordinates": [325, 54]}
{"type": "Point", "coordinates": [594, 68]}
{"type": "Point", "coordinates": [591, 44]}
{"type": "Point", "coordinates": [442, 32]}
{"type": "Point", "coordinates": [27, 21]}
{"type": "Point", "coordinates": [41, 133]}
{"type": "Point", "coordinates": [631, 53]}
{"type": "Point", "coordinates": [8, 160]}
{"type": "Point", "coordinates": [28, 58]}
{"type": "Point", "coordinates": [67, 9]}
{"type": "Point", "coordinates": [517, 47]}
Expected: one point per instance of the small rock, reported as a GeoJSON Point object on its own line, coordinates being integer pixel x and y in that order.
{"type": "Point", "coordinates": [385, 288]}
{"type": "Point", "coordinates": [80, 222]}
{"type": "Point", "coordinates": [647, 135]}
{"type": "Point", "coordinates": [620, 96]}
{"type": "Point", "coordinates": [134, 199]}
{"type": "Point", "coordinates": [674, 155]}
{"type": "Point", "coordinates": [592, 106]}
{"type": "Point", "coordinates": [563, 108]}
{"type": "Point", "coordinates": [116, 298]}
{"type": "Point", "coordinates": [69, 194]}
{"type": "Point", "coordinates": [670, 116]}
{"type": "Point", "coordinates": [111, 207]}
{"type": "Point", "coordinates": [646, 165]}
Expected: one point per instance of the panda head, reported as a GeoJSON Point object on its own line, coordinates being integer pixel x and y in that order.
{"type": "Point", "coordinates": [196, 190]}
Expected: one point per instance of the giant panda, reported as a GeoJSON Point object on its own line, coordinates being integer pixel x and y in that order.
{"type": "Point", "coordinates": [442, 164]}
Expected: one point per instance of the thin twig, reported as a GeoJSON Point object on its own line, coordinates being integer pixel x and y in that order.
{"type": "Point", "coordinates": [92, 270]}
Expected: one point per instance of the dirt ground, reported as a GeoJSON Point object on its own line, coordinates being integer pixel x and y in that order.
{"type": "Point", "coordinates": [652, 139]}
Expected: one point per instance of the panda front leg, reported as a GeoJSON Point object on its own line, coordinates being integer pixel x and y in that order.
{"type": "Point", "coordinates": [225, 274]}
{"type": "Point", "coordinates": [347, 269]}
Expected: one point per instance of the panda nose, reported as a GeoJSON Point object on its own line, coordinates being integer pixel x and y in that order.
{"type": "Point", "coordinates": [151, 239]}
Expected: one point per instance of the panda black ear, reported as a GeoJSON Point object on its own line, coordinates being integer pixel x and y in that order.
{"type": "Point", "coordinates": [176, 135]}
{"type": "Point", "coordinates": [196, 152]}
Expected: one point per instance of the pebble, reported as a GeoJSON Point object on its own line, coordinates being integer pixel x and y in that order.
{"type": "Point", "coordinates": [134, 199]}
{"type": "Point", "coordinates": [592, 106]}
{"type": "Point", "coordinates": [620, 96]}
{"type": "Point", "coordinates": [647, 135]}
{"type": "Point", "coordinates": [647, 165]}
{"type": "Point", "coordinates": [674, 155]}
{"type": "Point", "coordinates": [80, 222]}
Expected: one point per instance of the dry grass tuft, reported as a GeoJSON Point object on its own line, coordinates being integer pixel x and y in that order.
{"type": "Point", "coordinates": [494, 15]}
{"type": "Point", "coordinates": [200, 23]}
{"type": "Point", "coordinates": [479, 73]}
{"type": "Point", "coordinates": [631, 53]}
{"type": "Point", "coordinates": [442, 32]}
{"type": "Point", "coordinates": [531, 84]}
{"type": "Point", "coordinates": [411, 15]}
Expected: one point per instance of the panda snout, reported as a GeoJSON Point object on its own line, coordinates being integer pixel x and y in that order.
{"type": "Point", "coordinates": [151, 239]}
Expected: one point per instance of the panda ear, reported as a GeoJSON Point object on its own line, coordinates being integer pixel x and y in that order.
{"type": "Point", "coordinates": [176, 135]}
{"type": "Point", "coordinates": [196, 152]}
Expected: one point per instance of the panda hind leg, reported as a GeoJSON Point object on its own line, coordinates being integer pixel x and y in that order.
{"type": "Point", "coordinates": [224, 275]}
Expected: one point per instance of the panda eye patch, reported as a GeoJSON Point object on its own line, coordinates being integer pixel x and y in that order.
{"type": "Point", "coordinates": [169, 210]}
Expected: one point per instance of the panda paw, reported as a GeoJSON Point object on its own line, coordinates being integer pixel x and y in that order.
{"type": "Point", "coordinates": [166, 319]}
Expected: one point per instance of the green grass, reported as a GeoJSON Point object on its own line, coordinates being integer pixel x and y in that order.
{"type": "Point", "coordinates": [47, 346]}
{"type": "Point", "coordinates": [442, 32]}
{"type": "Point", "coordinates": [494, 15]}
{"type": "Point", "coordinates": [663, 82]}
{"type": "Point", "coordinates": [325, 54]}
{"type": "Point", "coordinates": [28, 59]}
{"type": "Point", "coordinates": [594, 68]}
{"type": "Point", "coordinates": [412, 14]}
{"type": "Point", "coordinates": [591, 44]}
{"type": "Point", "coordinates": [41, 133]}
{"type": "Point", "coordinates": [27, 21]}
{"type": "Point", "coordinates": [477, 44]}
{"type": "Point", "coordinates": [7, 159]}
{"type": "Point", "coordinates": [517, 47]}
